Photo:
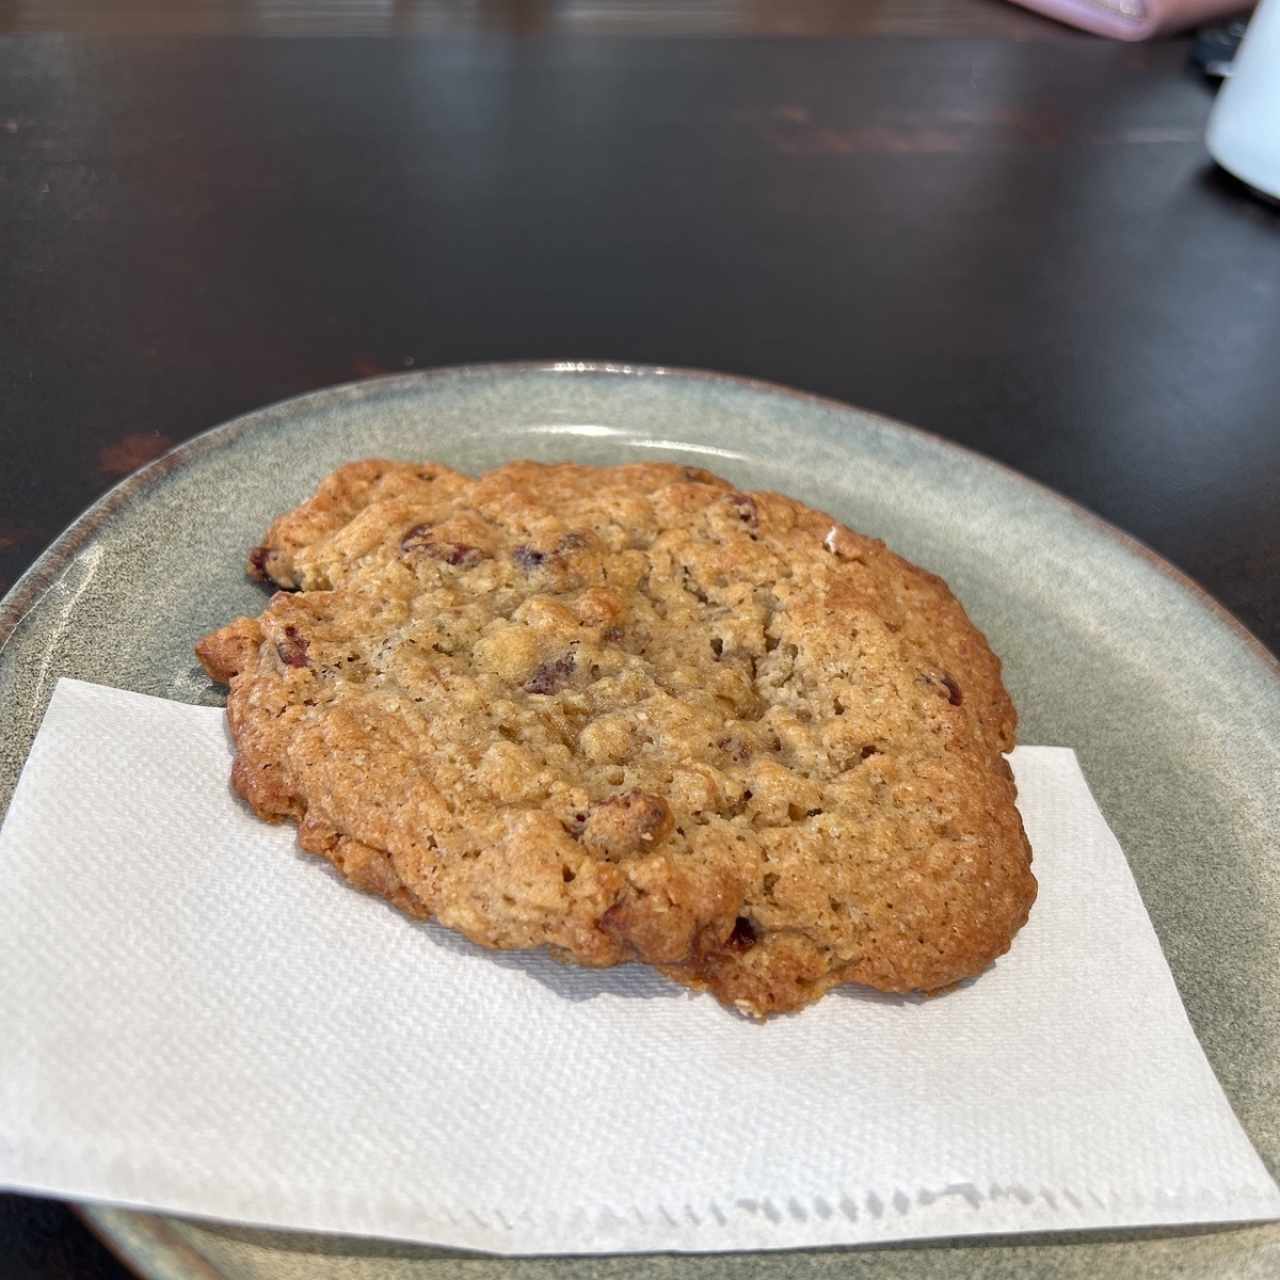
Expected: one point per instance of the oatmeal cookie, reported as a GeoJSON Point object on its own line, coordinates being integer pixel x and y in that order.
{"type": "Point", "coordinates": [632, 713]}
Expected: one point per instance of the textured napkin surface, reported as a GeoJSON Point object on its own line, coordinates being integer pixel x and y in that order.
{"type": "Point", "coordinates": [198, 1018]}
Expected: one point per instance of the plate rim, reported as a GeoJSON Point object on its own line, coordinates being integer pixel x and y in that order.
{"type": "Point", "coordinates": [143, 1243]}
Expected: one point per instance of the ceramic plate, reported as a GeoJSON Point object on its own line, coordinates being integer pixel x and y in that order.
{"type": "Point", "coordinates": [1173, 709]}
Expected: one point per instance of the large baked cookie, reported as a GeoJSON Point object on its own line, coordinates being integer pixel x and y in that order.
{"type": "Point", "coordinates": [632, 713]}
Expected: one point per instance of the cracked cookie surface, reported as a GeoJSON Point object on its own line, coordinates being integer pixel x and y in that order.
{"type": "Point", "coordinates": [631, 713]}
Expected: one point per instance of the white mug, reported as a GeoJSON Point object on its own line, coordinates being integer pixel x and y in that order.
{"type": "Point", "coordinates": [1244, 128]}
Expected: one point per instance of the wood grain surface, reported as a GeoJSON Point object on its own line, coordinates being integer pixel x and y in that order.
{"type": "Point", "coordinates": [779, 18]}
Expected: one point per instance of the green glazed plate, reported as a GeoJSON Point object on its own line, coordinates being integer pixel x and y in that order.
{"type": "Point", "coordinates": [1173, 709]}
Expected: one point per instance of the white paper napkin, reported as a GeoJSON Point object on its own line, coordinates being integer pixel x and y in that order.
{"type": "Point", "coordinates": [196, 1017]}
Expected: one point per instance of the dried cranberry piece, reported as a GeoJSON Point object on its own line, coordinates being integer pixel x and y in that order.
{"type": "Point", "coordinates": [528, 558]}
{"type": "Point", "coordinates": [258, 564]}
{"type": "Point", "coordinates": [551, 676]}
{"type": "Point", "coordinates": [455, 553]}
{"type": "Point", "coordinates": [942, 682]}
{"type": "Point", "coordinates": [293, 648]}
{"type": "Point", "coordinates": [745, 506]}
{"type": "Point", "coordinates": [416, 539]}
{"type": "Point", "coordinates": [419, 541]}
{"type": "Point", "coordinates": [258, 571]}
{"type": "Point", "coordinates": [743, 937]}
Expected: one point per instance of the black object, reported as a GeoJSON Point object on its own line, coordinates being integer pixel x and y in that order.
{"type": "Point", "coordinates": [1214, 48]}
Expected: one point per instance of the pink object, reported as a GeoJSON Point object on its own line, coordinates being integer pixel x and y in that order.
{"type": "Point", "coordinates": [1134, 19]}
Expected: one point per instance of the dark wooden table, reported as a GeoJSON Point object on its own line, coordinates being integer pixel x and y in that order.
{"type": "Point", "coordinates": [947, 210]}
